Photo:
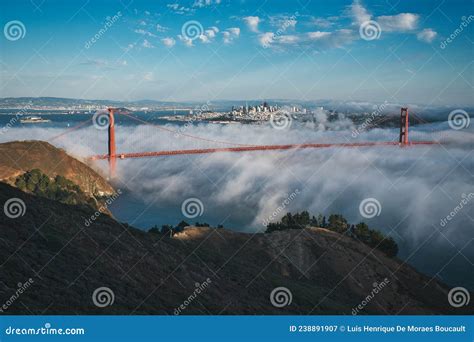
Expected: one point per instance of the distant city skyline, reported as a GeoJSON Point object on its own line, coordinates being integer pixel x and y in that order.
{"type": "Point", "coordinates": [209, 50]}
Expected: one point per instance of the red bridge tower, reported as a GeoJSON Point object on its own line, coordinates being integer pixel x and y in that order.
{"type": "Point", "coordinates": [112, 152]}
{"type": "Point", "coordinates": [404, 126]}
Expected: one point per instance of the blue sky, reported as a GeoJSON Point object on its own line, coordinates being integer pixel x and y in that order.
{"type": "Point", "coordinates": [204, 50]}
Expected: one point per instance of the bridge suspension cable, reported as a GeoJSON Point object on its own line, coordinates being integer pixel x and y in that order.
{"type": "Point", "coordinates": [184, 134]}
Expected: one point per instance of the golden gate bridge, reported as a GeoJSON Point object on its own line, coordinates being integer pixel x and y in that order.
{"type": "Point", "coordinates": [112, 154]}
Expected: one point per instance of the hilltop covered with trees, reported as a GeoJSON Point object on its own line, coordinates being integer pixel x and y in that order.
{"type": "Point", "coordinates": [339, 224]}
{"type": "Point", "coordinates": [58, 188]}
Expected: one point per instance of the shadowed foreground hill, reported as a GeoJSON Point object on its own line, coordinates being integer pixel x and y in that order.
{"type": "Point", "coordinates": [149, 273]}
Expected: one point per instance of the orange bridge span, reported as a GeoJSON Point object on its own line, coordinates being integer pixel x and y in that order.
{"type": "Point", "coordinates": [112, 154]}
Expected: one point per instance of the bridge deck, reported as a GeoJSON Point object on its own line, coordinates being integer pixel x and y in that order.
{"type": "Point", "coordinates": [255, 148]}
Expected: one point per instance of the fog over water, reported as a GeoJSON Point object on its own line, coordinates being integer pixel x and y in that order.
{"type": "Point", "coordinates": [417, 187]}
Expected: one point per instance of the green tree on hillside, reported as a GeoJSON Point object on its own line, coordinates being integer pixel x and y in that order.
{"type": "Point", "coordinates": [337, 223]}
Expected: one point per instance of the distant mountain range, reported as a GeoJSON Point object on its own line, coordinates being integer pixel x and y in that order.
{"type": "Point", "coordinates": [339, 106]}
{"type": "Point", "coordinates": [59, 101]}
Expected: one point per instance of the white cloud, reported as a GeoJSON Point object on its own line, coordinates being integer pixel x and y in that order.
{"type": "Point", "coordinates": [398, 23]}
{"type": "Point", "coordinates": [230, 34]}
{"type": "Point", "coordinates": [288, 39]}
{"type": "Point", "coordinates": [168, 42]}
{"type": "Point", "coordinates": [335, 39]}
{"type": "Point", "coordinates": [188, 42]}
{"type": "Point", "coordinates": [211, 32]}
{"type": "Point", "coordinates": [359, 13]}
{"type": "Point", "coordinates": [389, 23]}
{"type": "Point", "coordinates": [252, 23]}
{"type": "Point", "coordinates": [146, 44]}
{"type": "Point", "coordinates": [204, 39]}
{"type": "Point", "coordinates": [104, 64]}
{"type": "Point", "coordinates": [160, 28]}
{"type": "Point", "coordinates": [144, 32]}
{"type": "Point", "coordinates": [341, 38]}
{"type": "Point", "coordinates": [323, 22]}
{"type": "Point", "coordinates": [208, 35]}
{"type": "Point", "coordinates": [266, 39]}
{"type": "Point", "coordinates": [234, 30]}
{"type": "Point", "coordinates": [283, 21]}
{"type": "Point", "coordinates": [178, 9]}
{"type": "Point", "coordinates": [129, 47]}
{"type": "Point", "coordinates": [318, 35]}
{"type": "Point", "coordinates": [148, 76]}
{"type": "Point", "coordinates": [205, 3]}
{"type": "Point", "coordinates": [427, 35]}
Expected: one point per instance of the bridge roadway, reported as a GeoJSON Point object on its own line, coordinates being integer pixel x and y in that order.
{"type": "Point", "coordinates": [256, 148]}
